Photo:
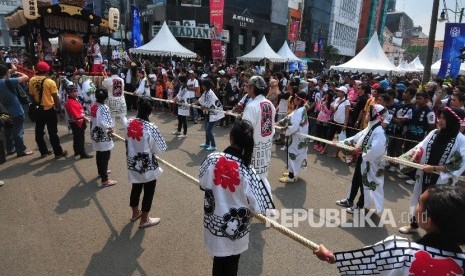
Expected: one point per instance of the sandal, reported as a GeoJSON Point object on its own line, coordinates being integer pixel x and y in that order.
{"type": "Point", "coordinates": [137, 217]}
{"type": "Point", "coordinates": [109, 183]}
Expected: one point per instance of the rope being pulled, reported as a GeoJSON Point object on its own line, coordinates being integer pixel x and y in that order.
{"type": "Point", "coordinates": [275, 225]}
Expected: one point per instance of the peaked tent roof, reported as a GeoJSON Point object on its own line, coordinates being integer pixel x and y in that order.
{"type": "Point", "coordinates": [403, 65]}
{"type": "Point", "coordinates": [262, 51]}
{"type": "Point", "coordinates": [437, 65]}
{"type": "Point", "coordinates": [416, 65]}
{"type": "Point", "coordinates": [285, 52]}
{"type": "Point", "coordinates": [164, 44]}
{"type": "Point", "coordinates": [370, 60]}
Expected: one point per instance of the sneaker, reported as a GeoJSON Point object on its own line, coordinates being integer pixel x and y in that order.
{"type": "Point", "coordinates": [407, 230]}
{"type": "Point", "coordinates": [284, 148]}
{"type": "Point", "coordinates": [392, 168]}
{"type": "Point", "coordinates": [204, 146]}
{"type": "Point", "coordinates": [316, 147]}
{"type": "Point", "coordinates": [46, 154]}
{"type": "Point", "coordinates": [410, 182]}
{"type": "Point", "coordinates": [353, 209]}
{"type": "Point", "coordinates": [211, 148]}
{"type": "Point", "coordinates": [176, 132]}
{"type": "Point", "coordinates": [182, 135]}
{"type": "Point", "coordinates": [403, 176]}
{"type": "Point", "coordinates": [63, 154]}
{"type": "Point", "coordinates": [2, 183]}
{"type": "Point", "coordinates": [344, 203]}
{"type": "Point", "coordinates": [287, 179]}
{"type": "Point", "coordinates": [87, 156]}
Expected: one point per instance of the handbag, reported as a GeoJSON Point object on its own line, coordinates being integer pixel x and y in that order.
{"type": "Point", "coordinates": [19, 92]}
{"type": "Point", "coordinates": [35, 108]}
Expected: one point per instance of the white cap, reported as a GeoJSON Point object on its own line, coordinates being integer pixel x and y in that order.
{"type": "Point", "coordinates": [191, 71]}
{"type": "Point", "coordinates": [221, 72]}
{"type": "Point", "coordinates": [315, 81]}
{"type": "Point", "coordinates": [343, 89]}
{"type": "Point", "coordinates": [203, 76]}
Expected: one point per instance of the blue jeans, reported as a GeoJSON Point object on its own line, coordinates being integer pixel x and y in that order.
{"type": "Point", "coordinates": [14, 141]}
{"type": "Point", "coordinates": [210, 139]}
{"type": "Point", "coordinates": [194, 112]}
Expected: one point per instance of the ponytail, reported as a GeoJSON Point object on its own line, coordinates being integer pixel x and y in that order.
{"type": "Point", "coordinates": [242, 137]}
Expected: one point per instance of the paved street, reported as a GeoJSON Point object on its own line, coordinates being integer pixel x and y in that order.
{"type": "Point", "coordinates": [56, 220]}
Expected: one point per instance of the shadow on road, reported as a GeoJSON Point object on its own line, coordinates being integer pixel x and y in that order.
{"type": "Point", "coordinates": [251, 261]}
{"type": "Point", "coordinates": [119, 255]}
{"type": "Point", "coordinates": [292, 195]}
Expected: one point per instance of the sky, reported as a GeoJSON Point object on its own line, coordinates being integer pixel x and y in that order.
{"type": "Point", "coordinates": [420, 12]}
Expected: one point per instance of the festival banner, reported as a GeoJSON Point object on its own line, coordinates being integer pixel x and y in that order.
{"type": "Point", "coordinates": [216, 19]}
{"type": "Point", "coordinates": [454, 41]}
{"type": "Point", "coordinates": [293, 31]}
{"type": "Point", "coordinates": [136, 40]}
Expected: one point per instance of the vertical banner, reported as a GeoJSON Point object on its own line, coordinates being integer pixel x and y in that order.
{"type": "Point", "coordinates": [454, 40]}
{"type": "Point", "coordinates": [136, 40]}
{"type": "Point", "coordinates": [294, 31]}
{"type": "Point", "coordinates": [320, 47]}
{"type": "Point", "coordinates": [216, 19]}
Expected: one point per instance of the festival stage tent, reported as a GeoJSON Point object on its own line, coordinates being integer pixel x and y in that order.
{"type": "Point", "coordinates": [262, 51]}
{"type": "Point", "coordinates": [416, 66]}
{"type": "Point", "coordinates": [285, 52]}
{"type": "Point", "coordinates": [164, 44]}
{"type": "Point", "coordinates": [370, 60]}
{"type": "Point", "coordinates": [437, 65]}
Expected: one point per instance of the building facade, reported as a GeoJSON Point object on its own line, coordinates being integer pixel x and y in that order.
{"type": "Point", "coordinates": [316, 22]}
{"type": "Point", "coordinates": [344, 25]}
{"type": "Point", "coordinates": [9, 38]}
{"type": "Point", "coordinates": [244, 23]}
{"type": "Point", "coordinates": [372, 18]}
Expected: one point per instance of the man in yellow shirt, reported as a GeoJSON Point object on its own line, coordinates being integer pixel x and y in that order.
{"type": "Point", "coordinates": [51, 106]}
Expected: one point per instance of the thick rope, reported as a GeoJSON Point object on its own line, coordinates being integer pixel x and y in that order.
{"type": "Point", "coordinates": [275, 225]}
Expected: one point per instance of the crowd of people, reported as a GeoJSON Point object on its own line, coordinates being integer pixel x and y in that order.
{"type": "Point", "coordinates": [396, 116]}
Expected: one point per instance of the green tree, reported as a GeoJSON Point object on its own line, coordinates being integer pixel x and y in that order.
{"type": "Point", "coordinates": [330, 54]}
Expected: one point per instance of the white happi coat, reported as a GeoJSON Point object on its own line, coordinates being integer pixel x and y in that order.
{"type": "Point", "coordinates": [183, 96]}
{"type": "Point", "coordinates": [143, 141]}
{"type": "Point", "coordinates": [116, 101]}
{"type": "Point", "coordinates": [100, 122]}
{"type": "Point", "coordinates": [210, 101]}
{"type": "Point", "coordinates": [86, 91]}
{"type": "Point", "coordinates": [297, 123]}
{"type": "Point", "coordinates": [260, 112]}
{"type": "Point", "coordinates": [232, 191]}
{"type": "Point", "coordinates": [397, 256]}
{"type": "Point", "coordinates": [143, 87]}
{"type": "Point", "coordinates": [372, 164]}
{"type": "Point", "coordinates": [454, 160]}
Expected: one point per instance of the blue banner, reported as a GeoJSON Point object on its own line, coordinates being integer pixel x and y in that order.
{"type": "Point", "coordinates": [454, 40]}
{"type": "Point", "coordinates": [136, 39]}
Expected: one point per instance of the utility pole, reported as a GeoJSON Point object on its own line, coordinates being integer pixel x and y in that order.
{"type": "Point", "coordinates": [431, 39]}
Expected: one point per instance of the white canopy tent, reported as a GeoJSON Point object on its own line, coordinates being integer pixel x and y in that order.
{"type": "Point", "coordinates": [262, 51]}
{"type": "Point", "coordinates": [403, 66]}
{"type": "Point", "coordinates": [437, 65]}
{"type": "Point", "coordinates": [416, 66]}
{"type": "Point", "coordinates": [285, 52]}
{"type": "Point", "coordinates": [164, 44]}
{"type": "Point", "coordinates": [370, 60]}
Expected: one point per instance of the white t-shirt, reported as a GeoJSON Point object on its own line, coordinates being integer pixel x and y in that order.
{"type": "Point", "coordinates": [194, 83]}
{"type": "Point", "coordinates": [340, 110]}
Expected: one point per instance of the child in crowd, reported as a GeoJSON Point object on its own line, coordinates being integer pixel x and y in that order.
{"type": "Point", "coordinates": [232, 190]}
{"type": "Point", "coordinates": [101, 129]}
{"type": "Point", "coordinates": [322, 121]}
{"type": "Point", "coordinates": [159, 90]}
{"type": "Point", "coordinates": [77, 121]}
{"type": "Point", "coordinates": [143, 169]}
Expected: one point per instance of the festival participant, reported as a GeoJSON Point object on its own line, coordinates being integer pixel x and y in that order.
{"type": "Point", "coordinates": [77, 122]}
{"type": "Point", "coordinates": [62, 90]}
{"type": "Point", "coordinates": [260, 112]}
{"type": "Point", "coordinates": [193, 88]}
{"type": "Point", "coordinates": [443, 152]}
{"type": "Point", "coordinates": [294, 125]}
{"type": "Point", "coordinates": [44, 91]}
{"type": "Point", "coordinates": [370, 145]}
{"type": "Point", "coordinates": [340, 109]}
{"type": "Point", "coordinates": [86, 90]}
{"type": "Point", "coordinates": [143, 169]}
{"type": "Point", "coordinates": [101, 129]}
{"type": "Point", "coordinates": [232, 190]}
{"type": "Point", "coordinates": [438, 252]}
{"type": "Point", "coordinates": [208, 100]}
{"type": "Point", "coordinates": [97, 64]}
{"type": "Point", "coordinates": [183, 109]}
{"type": "Point", "coordinates": [116, 101]}
{"type": "Point", "coordinates": [143, 84]}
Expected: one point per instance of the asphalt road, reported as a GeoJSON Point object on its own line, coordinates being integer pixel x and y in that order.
{"type": "Point", "coordinates": [56, 220]}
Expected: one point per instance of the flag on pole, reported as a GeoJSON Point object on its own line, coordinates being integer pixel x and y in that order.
{"type": "Point", "coordinates": [454, 40]}
{"type": "Point", "coordinates": [136, 39]}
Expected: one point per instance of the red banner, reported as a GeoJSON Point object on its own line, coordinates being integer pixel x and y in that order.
{"type": "Point", "coordinates": [216, 19]}
{"type": "Point", "coordinates": [294, 30]}
{"type": "Point", "coordinates": [217, 50]}
{"type": "Point", "coordinates": [216, 15]}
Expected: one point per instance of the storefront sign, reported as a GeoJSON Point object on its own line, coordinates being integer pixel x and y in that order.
{"type": "Point", "coordinates": [184, 31]}
{"type": "Point", "coordinates": [190, 3]}
{"type": "Point", "coordinates": [217, 49]}
{"type": "Point", "coordinates": [243, 20]}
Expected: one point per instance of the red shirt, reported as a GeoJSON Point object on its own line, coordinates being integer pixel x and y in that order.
{"type": "Point", "coordinates": [75, 111]}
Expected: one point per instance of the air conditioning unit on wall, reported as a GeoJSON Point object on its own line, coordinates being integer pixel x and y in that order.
{"type": "Point", "coordinates": [188, 23]}
{"type": "Point", "coordinates": [173, 23]}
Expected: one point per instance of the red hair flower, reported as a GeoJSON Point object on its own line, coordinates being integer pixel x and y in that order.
{"type": "Point", "coordinates": [136, 130]}
{"type": "Point", "coordinates": [227, 174]}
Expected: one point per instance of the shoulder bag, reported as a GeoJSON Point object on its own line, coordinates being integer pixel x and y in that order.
{"type": "Point", "coordinates": [35, 108]}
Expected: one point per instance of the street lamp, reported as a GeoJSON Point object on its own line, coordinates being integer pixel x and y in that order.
{"type": "Point", "coordinates": [443, 17]}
